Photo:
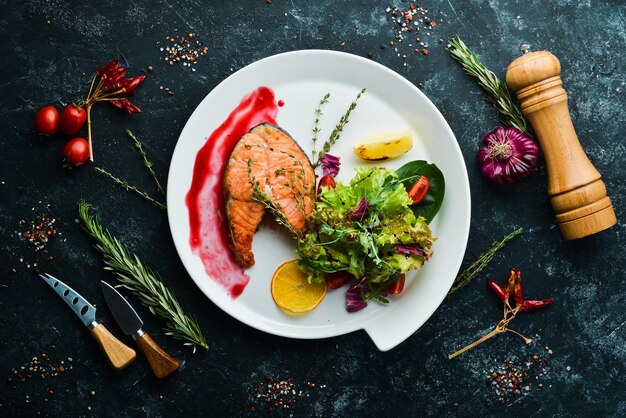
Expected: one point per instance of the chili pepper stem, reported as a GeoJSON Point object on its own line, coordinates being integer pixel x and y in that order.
{"type": "Point", "coordinates": [93, 80]}
{"type": "Point", "coordinates": [528, 341]}
{"type": "Point", "coordinates": [497, 330]}
{"type": "Point", "coordinates": [88, 107]}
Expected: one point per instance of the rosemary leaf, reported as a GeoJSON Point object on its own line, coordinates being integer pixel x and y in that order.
{"type": "Point", "coordinates": [481, 262]}
{"type": "Point", "coordinates": [336, 133]}
{"type": "Point", "coordinates": [316, 129]}
{"type": "Point", "coordinates": [497, 92]}
{"type": "Point", "coordinates": [146, 162]}
{"type": "Point", "coordinates": [127, 186]}
{"type": "Point", "coordinates": [139, 279]}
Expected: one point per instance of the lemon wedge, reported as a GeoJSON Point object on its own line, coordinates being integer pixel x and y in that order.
{"type": "Point", "coordinates": [384, 146]}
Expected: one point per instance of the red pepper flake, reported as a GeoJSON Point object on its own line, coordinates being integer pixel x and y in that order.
{"type": "Point", "coordinates": [425, 51]}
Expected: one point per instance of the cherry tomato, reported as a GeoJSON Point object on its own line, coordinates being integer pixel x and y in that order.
{"type": "Point", "coordinates": [72, 119]}
{"type": "Point", "coordinates": [337, 279]}
{"type": "Point", "coordinates": [397, 287]}
{"type": "Point", "coordinates": [419, 190]}
{"type": "Point", "coordinates": [47, 121]}
{"type": "Point", "coordinates": [76, 151]}
{"type": "Point", "coordinates": [326, 181]}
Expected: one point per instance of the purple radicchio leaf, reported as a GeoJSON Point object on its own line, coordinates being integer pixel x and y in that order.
{"type": "Point", "coordinates": [410, 250]}
{"type": "Point", "coordinates": [353, 299]}
{"type": "Point", "coordinates": [361, 209]}
{"type": "Point", "coordinates": [330, 165]}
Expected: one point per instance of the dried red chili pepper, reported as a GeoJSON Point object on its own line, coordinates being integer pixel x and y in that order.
{"type": "Point", "coordinates": [532, 305]}
{"type": "Point", "coordinates": [126, 106]}
{"type": "Point", "coordinates": [130, 84]}
{"type": "Point", "coordinates": [109, 67]}
{"type": "Point", "coordinates": [509, 286]}
{"type": "Point", "coordinates": [517, 288]}
{"type": "Point", "coordinates": [499, 291]}
{"type": "Point", "coordinates": [109, 84]}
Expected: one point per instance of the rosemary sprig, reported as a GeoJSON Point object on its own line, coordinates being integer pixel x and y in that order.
{"type": "Point", "coordinates": [481, 262]}
{"type": "Point", "coordinates": [146, 162]}
{"type": "Point", "coordinates": [497, 92]}
{"type": "Point", "coordinates": [336, 133]}
{"type": "Point", "coordinates": [139, 279]}
{"type": "Point", "coordinates": [127, 186]}
{"type": "Point", "coordinates": [316, 129]}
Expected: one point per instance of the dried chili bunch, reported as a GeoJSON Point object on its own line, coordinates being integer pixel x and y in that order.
{"type": "Point", "coordinates": [110, 84]}
{"type": "Point", "coordinates": [511, 295]}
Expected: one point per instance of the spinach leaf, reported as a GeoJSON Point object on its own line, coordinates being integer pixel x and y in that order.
{"type": "Point", "coordinates": [430, 204]}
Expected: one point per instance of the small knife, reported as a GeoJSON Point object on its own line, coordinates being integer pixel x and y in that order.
{"type": "Point", "coordinates": [118, 354]}
{"type": "Point", "coordinates": [162, 364]}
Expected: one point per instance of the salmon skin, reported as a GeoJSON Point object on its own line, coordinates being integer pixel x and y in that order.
{"type": "Point", "coordinates": [268, 155]}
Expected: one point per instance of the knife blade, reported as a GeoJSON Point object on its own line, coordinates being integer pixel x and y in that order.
{"type": "Point", "coordinates": [162, 364]}
{"type": "Point", "coordinates": [119, 354]}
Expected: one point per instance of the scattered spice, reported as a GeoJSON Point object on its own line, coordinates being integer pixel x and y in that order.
{"type": "Point", "coordinates": [36, 234]}
{"type": "Point", "coordinates": [512, 380]}
{"type": "Point", "coordinates": [512, 289]}
{"type": "Point", "coordinates": [186, 49]}
{"type": "Point", "coordinates": [277, 394]}
{"type": "Point", "coordinates": [39, 231]}
{"type": "Point", "coordinates": [40, 365]}
{"type": "Point", "coordinates": [412, 27]}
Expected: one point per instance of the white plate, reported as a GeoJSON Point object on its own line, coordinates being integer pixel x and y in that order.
{"type": "Point", "coordinates": [391, 102]}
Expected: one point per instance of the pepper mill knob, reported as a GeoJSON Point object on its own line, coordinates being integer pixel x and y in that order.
{"type": "Point", "coordinates": [577, 193]}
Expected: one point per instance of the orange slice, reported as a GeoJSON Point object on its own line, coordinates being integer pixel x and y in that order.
{"type": "Point", "coordinates": [292, 292]}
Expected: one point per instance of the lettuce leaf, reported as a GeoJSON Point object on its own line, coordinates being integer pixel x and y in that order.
{"type": "Point", "coordinates": [364, 245]}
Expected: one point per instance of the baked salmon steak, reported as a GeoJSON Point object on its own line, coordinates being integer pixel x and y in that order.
{"type": "Point", "coordinates": [269, 157]}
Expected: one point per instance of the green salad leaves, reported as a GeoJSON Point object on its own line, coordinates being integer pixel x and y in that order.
{"type": "Point", "coordinates": [366, 228]}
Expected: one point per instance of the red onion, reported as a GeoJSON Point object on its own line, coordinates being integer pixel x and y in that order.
{"type": "Point", "coordinates": [508, 155]}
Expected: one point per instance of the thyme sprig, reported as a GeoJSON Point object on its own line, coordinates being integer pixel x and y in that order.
{"type": "Point", "coordinates": [497, 92]}
{"type": "Point", "coordinates": [316, 129]}
{"type": "Point", "coordinates": [146, 162]}
{"type": "Point", "coordinates": [130, 187]}
{"type": "Point", "coordinates": [139, 279]}
{"type": "Point", "coordinates": [261, 197]}
{"type": "Point", "coordinates": [336, 133]}
{"type": "Point", "coordinates": [481, 262]}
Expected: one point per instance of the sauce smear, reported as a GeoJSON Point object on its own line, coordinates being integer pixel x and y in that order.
{"type": "Point", "coordinates": [209, 235]}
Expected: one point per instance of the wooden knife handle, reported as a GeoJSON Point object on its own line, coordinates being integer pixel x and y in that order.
{"type": "Point", "coordinates": [162, 364]}
{"type": "Point", "coordinates": [119, 354]}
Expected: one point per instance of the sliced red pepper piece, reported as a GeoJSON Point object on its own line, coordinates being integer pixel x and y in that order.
{"type": "Point", "coordinates": [419, 189]}
{"type": "Point", "coordinates": [337, 279]}
{"type": "Point", "coordinates": [326, 181]}
{"type": "Point", "coordinates": [398, 286]}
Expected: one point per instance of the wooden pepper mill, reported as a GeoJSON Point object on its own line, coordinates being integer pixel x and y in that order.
{"type": "Point", "coordinates": [577, 193]}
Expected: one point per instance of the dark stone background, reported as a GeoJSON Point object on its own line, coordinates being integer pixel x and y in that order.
{"type": "Point", "coordinates": [46, 63]}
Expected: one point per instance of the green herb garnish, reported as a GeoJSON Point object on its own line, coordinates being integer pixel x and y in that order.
{"type": "Point", "coordinates": [497, 92]}
{"type": "Point", "coordinates": [316, 129]}
{"type": "Point", "coordinates": [139, 279]}
{"type": "Point", "coordinates": [146, 162]}
{"type": "Point", "coordinates": [481, 262]}
{"type": "Point", "coordinates": [336, 133]}
{"type": "Point", "coordinates": [130, 187]}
